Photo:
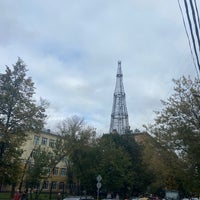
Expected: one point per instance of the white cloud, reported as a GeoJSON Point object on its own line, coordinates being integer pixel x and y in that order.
{"type": "Point", "coordinates": [71, 49]}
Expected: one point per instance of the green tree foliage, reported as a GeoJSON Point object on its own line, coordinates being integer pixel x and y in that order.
{"type": "Point", "coordinates": [114, 165]}
{"type": "Point", "coordinates": [117, 158]}
{"type": "Point", "coordinates": [165, 166]}
{"type": "Point", "coordinates": [177, 127]}
{"type": "Point", "coordinates": [38, 167]}
{"type": "Point", "coordinates": [124, 156]}
{"type": "Point", "coordinates": [126, 166]}
{"type": "Point", "coordinates": [90, 156]}
{"type": "Point", "coordinates": [78, 142]}
{"type": "Point", "coordinates": [41, 164]}
{"type": "Point", "coordinates": [19, 113]}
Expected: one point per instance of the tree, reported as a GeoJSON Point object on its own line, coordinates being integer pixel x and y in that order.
{"type": "Point", "coordinates": [177, 127]}
{"type": "Point", "coordinates": [19, 114]}
{"type": "Point", "coordinates": [37, 168]}
{"type": "Point", "coordinates": [114, 165]}
{"type": "Point", "coordinates": [165, 167]}
{"type": "Point", "coordinates": [128, 175]}
{"type": "Point", "coordinates": [78, 142]}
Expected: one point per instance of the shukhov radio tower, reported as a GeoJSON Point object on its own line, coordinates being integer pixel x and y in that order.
{"type": "Point", "coordinates": [119, 116]}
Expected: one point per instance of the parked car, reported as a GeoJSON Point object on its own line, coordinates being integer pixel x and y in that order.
{"type": "Point", "coordinates": [109, 199]}
{"type": "Point", "coordinates": [71, 198]}
{"type": "Point", "coordinates": [185, 198]}
{"type": "Point", "coordinates": [194, 198]}
{"type": "Point", "coordinates": [143, 198]}
{"type": "Point", "coordinates": [79, 198]}
{"type": "Point", "coordinates": [134, 198]}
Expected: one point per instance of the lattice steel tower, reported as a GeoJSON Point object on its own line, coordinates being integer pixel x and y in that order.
{"type": "Point", "coordinates": [119, 116]}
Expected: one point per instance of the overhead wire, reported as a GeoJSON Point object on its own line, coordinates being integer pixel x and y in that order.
{"type": "Point", "coordinates": [192, 29]}
{"type": "Point", "coordinates": [196, 8]}
{"type": "Point", "coordinates": [191, 32]}
{"type": "Point", "coordinates": [195, 23]}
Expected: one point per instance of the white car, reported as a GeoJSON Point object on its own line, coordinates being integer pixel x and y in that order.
{"type": "Point", "coordinates": [79, 198]}
{"type": "Point", "coordinates": [72, 198]}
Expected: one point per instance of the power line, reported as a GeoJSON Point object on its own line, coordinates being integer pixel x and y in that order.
{"type": "Point", "coordinates": [191, 15]}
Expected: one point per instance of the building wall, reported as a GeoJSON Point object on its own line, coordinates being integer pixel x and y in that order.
{"type": "Point", "coordinates": [45, 140]}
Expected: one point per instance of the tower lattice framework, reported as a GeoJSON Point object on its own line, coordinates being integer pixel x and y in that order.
{"type": "Point", "coordinates": [119, 116]}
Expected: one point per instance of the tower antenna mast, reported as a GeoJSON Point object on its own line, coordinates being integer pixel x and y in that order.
{"type": "Point", "coordinates": [119, 116]}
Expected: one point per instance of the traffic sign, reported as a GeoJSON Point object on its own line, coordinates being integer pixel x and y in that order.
{"type": "Point", "coordinates": [99, 178]}
{"type": "Point", "coordinates": [98, 185]}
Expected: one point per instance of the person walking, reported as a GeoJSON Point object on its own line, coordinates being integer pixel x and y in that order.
{"type": "Point", "coordinates": [24, 196]}
{"type": "Point", "coordinates": [59, 197]}
{"type": "Point", "coordinates": [17, 195]}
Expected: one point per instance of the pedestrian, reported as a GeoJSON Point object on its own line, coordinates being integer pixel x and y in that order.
{"type": "Point", "coordinates": [17, 195]}
{"type": "Point", "coordinates": [24, 196]}
{"type": "Point", "coordinates": [59, 196]}
{"type": "Point", "coordinates": [109, 196]}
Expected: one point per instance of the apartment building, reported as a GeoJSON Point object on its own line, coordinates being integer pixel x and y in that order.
{"type": "Point", "coordinates": [46, 140]}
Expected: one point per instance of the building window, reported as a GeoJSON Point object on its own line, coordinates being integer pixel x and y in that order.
{"type": "Point", "coordinates": [63, 171]}
{"type": "Point", "coordinates": [37, 186]}
{"type": "Point", "coordinates": [54, 185]}
{"type": "Point", "coordinates": [46, 185]}
{"type": "Point", "coordinates": [61, 186]}
{"type": "Point", "coordinates": [55, 171]}
{"type": "Point", "coordinates": [51, 143]}
{"type": "Point", "coordinates": [44, 141]}
{"type": "Point", "coordinates": [36, 140]}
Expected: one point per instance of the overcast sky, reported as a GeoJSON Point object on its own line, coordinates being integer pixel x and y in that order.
{"type": "Point", "coordinates": [71, 49]}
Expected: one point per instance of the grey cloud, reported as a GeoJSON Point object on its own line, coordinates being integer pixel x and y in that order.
{"type": "Point", "coordinates": [71, 49]}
